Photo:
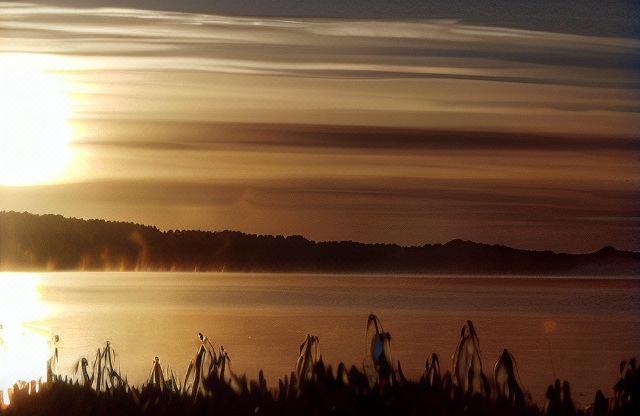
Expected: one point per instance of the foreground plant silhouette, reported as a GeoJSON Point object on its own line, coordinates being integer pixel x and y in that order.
{"type": "Point", "coordinates": [378, 388]}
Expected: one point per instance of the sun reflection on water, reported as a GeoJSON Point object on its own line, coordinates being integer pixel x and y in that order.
{"type": "Point", "coordinates": [24, 350]}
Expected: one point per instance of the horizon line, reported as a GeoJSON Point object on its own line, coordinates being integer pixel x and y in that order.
{"type": "Point", "coordinates": [454, 240]}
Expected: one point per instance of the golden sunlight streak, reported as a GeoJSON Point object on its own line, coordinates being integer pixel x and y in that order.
{"type": "Point", "coordinates": [23, 351]}
{"type": "Point", "coordinates": [34, 130]}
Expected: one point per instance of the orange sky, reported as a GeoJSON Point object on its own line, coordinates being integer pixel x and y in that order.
{"type": "Point", "coordinates": [393, 131]}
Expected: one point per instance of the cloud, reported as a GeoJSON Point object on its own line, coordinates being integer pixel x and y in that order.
{"type": "Point", "coordinates": [438, 73]}
{"type": "Point", "coordinates": [332, 48]}
{"type": "Point", "coordinates": [615, 18]}
{"type": "Point", "coordinates": [177, 136]}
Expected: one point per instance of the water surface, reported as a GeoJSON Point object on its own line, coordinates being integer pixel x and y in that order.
{"type": "Point", "coordinates": [574, 329]}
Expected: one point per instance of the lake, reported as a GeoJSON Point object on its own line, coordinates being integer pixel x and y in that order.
{"type": "Point", "coordinates": [577, 329]}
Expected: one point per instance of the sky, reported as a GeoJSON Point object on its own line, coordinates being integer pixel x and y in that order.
{"type": "Point", "coordinates": [409, 122]}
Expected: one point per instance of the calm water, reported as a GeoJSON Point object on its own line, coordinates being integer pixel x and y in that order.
{"type": "Point", "coordinates": [575, 329]}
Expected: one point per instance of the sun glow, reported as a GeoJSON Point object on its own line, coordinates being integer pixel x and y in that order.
{"type": "Point", "coordinates": [23, 351]}
{"type": "Point", "coordinates": [34, 121]}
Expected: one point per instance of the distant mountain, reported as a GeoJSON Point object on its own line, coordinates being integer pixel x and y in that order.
{"type": "Point", "coordinates": [53, 242]}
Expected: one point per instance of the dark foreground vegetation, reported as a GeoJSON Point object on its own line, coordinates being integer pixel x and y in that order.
{"type": "Point", "coordinates": [52, 242]}
{"type": "Point", "coordinates": [378, 387]}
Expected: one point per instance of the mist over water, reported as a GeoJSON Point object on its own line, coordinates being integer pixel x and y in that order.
{"type": "Point", "coordinates": [574, 329]}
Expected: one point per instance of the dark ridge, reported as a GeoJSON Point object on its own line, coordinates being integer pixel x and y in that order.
{"type": "Point", "coordinates": [53, 242]}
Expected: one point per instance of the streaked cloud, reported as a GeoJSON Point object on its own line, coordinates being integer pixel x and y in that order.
{"type": "Point", "coordinates": [250, 136]}
{"type": "Point", "coordinates": [425, 71]}
{"type": "Point", "coordinates": [613, 18]}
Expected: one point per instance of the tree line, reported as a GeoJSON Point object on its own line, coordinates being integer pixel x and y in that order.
{"type": "Point", "coordinates": [54, 242]}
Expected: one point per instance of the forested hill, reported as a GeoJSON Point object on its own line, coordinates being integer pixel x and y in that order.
{"type": "Point", "coordinates": [53, 242]}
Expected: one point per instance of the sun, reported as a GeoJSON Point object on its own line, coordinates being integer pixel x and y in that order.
{"type": "Point", "coordinates": [35, 133]}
